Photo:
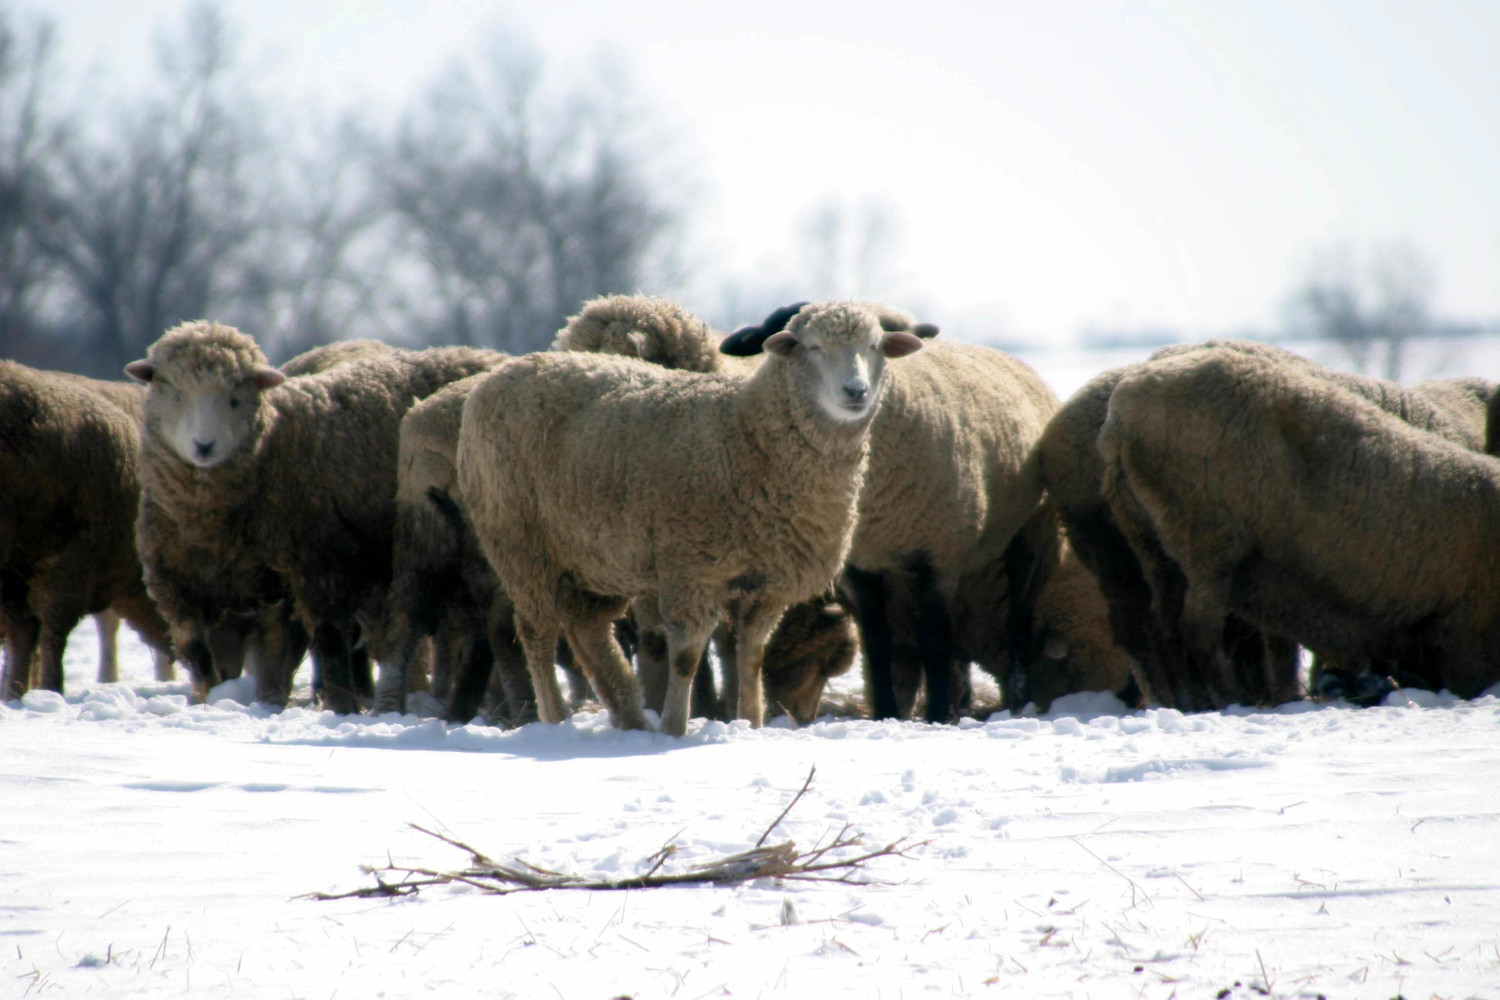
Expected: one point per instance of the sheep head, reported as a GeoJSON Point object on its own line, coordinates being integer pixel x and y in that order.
{"type": "Point", "coordinates": [839, 350]}
{"type": "Point", "coordinates": [204, 387]}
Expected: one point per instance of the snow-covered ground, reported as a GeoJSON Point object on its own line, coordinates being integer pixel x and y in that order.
{"type": "Point", "coordinates": [153, 848]}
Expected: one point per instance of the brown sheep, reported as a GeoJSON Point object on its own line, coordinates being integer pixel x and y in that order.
{"type": "Point", "coordinates": [68, 496]}
{"type": "Point", "coordinates": [1310, 512]}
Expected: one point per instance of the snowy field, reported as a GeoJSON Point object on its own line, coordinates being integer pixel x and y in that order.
{"type": "Point", "coordinates": [156, 849]}
{"type": "Point", "coordinates": [152, 848]}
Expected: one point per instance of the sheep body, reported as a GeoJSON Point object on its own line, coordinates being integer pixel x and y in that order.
{"type": "Point", "coordinates": [441, 584]}
{"type": "Point", "coordinates": [593, 479]}
{"type": "Point", "coordinates": [1073, 471]}
{"type": "Point", "coordinates": [68, 495]}
{"type": "Point", "coordinates": [1312, 512]}
{"type": "Point", "coordinates": [951, 483]}
{"type": "Point", "coordinates": [293, 499]}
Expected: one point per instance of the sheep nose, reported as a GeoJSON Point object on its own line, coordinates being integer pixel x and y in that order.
{"type": "Point", "coordinates": [203, 448]}
{"type": "Point", "coordinates": [857, 389]}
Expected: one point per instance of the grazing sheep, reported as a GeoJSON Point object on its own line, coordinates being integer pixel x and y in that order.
{"type": "Point", "coordinates": [68, 496]}
{"type": "Point", "coordinates": [951, 483]}
{"type": "Point", "coordinates": [442, 586]}
{"type": "Point", "coordinates": [1073, 471]}
{"type": "Point", "coordinates": [1311, 512]}
{"type": "Point", "coordinates": [1077, 649]}
{"type": "Point", "coordinates": [257, 488]}
{"type": "Point", "coordinates": [593, 480]}
{"type": "Point", "coordinates": [814, 641]}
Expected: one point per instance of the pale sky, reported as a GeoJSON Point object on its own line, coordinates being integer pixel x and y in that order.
{"type": "Point", "coordinates": [1054, 165]}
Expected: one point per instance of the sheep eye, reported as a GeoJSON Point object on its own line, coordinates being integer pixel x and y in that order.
{"type": "Point", "coordinates": [234, 404]}
{"type": "Point", "coordinates": [814, 347]}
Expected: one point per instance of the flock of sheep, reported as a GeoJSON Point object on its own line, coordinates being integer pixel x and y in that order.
{"type": "Point", "coordinates": [835, 477]}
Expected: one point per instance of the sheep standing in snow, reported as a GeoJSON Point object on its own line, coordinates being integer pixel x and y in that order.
{"type": "Point", "coordinates": [1143, 612]}
{"type": "Point", "coordinates": [951, 484]}
{"type": "Point", "coordinates": [1311, 512]}
{"type": "Point", "coordinates": [592, 480]}
{"type": "Point", "coordinates": [815, 640]}
{"type": "Point", "coordinates": [68, 495]}
{"type": "Point", "coordinates": [442, 586]}
{"type": "Point", "coordinates": [257, 488]}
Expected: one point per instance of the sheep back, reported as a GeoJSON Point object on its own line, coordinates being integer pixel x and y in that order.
{"type": "Point", "coordinates": [1312, 511]}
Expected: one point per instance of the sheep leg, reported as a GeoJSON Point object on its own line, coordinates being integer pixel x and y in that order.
{"type": "Point", "coordinates": [540, 645]}
{"type": "Point", "coordinates": [509, 664]}
{"type": "Point", "coordinates": [163, 664]}
{"type": "Point", "coordinates": [473, 661]}
{"type": "Point", "coordinates": [107, 622]}
{"type": "Point", "coordinates": [867, 592]}
{"type": "Point", "coordinates": [687, 636]}
{"type": "Point", "coordinates": [603, 662]}
{"type": "Point", "coordinates": [51, 644]}
{"type": "Point", "coordinates": [650, 652]}
{"type": "Point", "coordinates": [934, 643]}
{"type": "Point", "coordinates": [21, 631]}
{"type": "Point", "coordinates": [275, 651]}
{"type": "Point", "coordinates": [330, 643]}
{"type": "Point", "coordinates": [1204, 611]}
{"type": "Point", "coordinates": [753, 627]}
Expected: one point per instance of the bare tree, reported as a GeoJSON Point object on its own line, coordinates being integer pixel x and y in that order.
{"type": "Point", "coordinates": [1385, 303]}
{"type": "Point", "coordinates": [518, 205]}
{"type": "Point", "coordinates": [318, 261]}
{"type": "Point", "coordinates": [154, 210]}
{"type": "Point", "coordinates": [30, 136]}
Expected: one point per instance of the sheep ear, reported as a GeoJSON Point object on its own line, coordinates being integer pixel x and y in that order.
{"type": "Point", "coordinates": [899, 343]}
{"type": "Point", "coordinates": [780, 344]}
{"type": "Point", "coordinates": [748, 340]}
{"type": "Point", "coordinates": [267, 377]}
{"type": "Point", "coordinates": [925, 330]}
{"type": "Point", "coordinates": [637, 341]}
{"type": "Point", "coordinates": [141, 371]}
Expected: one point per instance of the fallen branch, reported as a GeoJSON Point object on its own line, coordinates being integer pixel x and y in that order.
{"type": "Point", "coordinates": [822, 863]}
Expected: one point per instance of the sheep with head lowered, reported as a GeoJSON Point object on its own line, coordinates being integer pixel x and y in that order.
{"type": "Point", "coordinates": [592, 480]}
{"type": "Point", "coordinates": [256, 488]}
{"type": "Point", "coordinates": [1141, 585]}
{"type": "Point", "coordinates": [68, 496]}
{"type": "Point", "coordinates": [940, 543]}
{"type": "Point", "coordinates": [1311, 512]}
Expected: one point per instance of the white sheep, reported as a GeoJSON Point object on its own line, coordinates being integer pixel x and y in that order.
{"type": "Point", "coordinates": [593, 479]}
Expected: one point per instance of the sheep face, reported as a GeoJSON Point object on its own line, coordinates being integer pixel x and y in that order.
{"type": "Point", "coordinates": [840, 352]}
{"type": "Point", "coordinates": [206, 419]}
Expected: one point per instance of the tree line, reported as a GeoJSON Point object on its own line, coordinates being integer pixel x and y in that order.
{"type": "Point", "coordinates": [484, 213]}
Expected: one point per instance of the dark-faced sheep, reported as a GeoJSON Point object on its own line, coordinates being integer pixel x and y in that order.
{"type": "Point", "coordinates": [593, 480]}
{"type": "Point", "coordinates": [68, 496]}
{"type": "Point", "coordinates": [257, 488]}
{"type": "Point", "coordinates": [1312, 513]}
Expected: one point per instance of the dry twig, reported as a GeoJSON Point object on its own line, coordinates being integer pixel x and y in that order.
{"type": "Point", "coordinates": [825, 862]}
